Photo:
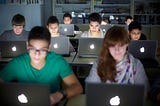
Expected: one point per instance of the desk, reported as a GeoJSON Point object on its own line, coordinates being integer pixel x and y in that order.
{"type": "Point", "coordinates": [70, 58]}
{"type": "Point", "coordinates": [81, 61]}
{"type": "Point", "coordinates": [80, 100]}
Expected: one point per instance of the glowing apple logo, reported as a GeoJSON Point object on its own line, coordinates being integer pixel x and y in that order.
{"type": "Point", "coordinates": [55, 45]}
{"type": "Point", "coordinates": [115, 101]}
{"type": "Point", "coordinates": [104, 30]}
{"type": "Point", "coordinates": [65, 29]}
{"type": "Point", "coordinates": [92, 46]}
{"type": "Point", "coordinates": [14, 48]}
{"type": "Point", "coordinates": [142, 49]}
{"type": "Point", "coordinates": [22, 98]}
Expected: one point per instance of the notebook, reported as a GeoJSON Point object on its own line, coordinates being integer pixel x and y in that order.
{"type": "Point", "coordinates": [67, 29]}
{"type": "Point", "coordinates": [145, 51]}
{"type": "Point", "coordinates": [105, 28]}
{"type": "Point", "coordinates": [60, 45]}
{"type": "Point", "coordinates": [20, 94]}
{"type": "Point", "coordinates": [11, 49]}
{"type": "Point", "coordinates": [89, 47]}
{"type": "Point", "coordinates": [102, 94]}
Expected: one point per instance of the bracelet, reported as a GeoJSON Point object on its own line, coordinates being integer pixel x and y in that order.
{"type": "Point", "coordinates": [64, 93]}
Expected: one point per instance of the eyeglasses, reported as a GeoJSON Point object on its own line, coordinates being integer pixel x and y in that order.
{"type": "Point", "coordinates": [34, 50]}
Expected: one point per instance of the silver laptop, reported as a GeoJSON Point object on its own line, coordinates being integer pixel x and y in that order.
{"type": "Point", "coordinates": [20, 94]}
{"type": "Point", "coordinates": [67, 29]}
{"type": "Point", "coordinates": [89, 47]}
{"type": "Point", "coordinates": [60, 45]}
{"type": "Point", "coordinates": [11, 49]}
{"type": "Point", "coordinates": [105, 28]}
{"type": "Point", "coordinates": [145, 50]}
{"type": "Point", "coordinates": [102, 94]}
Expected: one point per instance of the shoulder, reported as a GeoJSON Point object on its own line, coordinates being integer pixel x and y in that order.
{"type": "Point", "coordinates": [134, 60]}
{"type": "Point", "coordinates": [21, 58]}
{"type": "Point", "coordinates": [54, 56]}
{"type": "Point", "coordinates": [85, 34]}
{"type": "Point", "coordinates": [7, 32]}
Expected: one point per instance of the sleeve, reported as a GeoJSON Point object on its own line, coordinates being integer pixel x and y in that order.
{"type": "Point", "coordinates": [93, 76]}
{"type": "Point", "coordinates": [155, 89]}
{"type": "Point", "coordinates": [140, 76]}
{"type": "Point", "coordinates": [65, 69]}
{"type": "Point", "coordinates": [8, 73]}
{"type": "Point", "coordinates": [84, 34]}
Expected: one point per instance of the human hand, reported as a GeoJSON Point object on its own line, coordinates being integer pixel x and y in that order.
{"type": "Point", "coordinates": [55, 98]}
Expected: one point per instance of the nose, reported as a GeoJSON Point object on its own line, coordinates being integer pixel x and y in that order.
{"type": "Point", "coordinates": [37, 52]}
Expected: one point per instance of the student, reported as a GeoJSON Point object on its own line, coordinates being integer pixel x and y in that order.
{"type": "Point", "coordinates": [135, 31]}
{"type": "Point", "coordinates": [128, 20]}
{"type": "Point", "coordinates": [115, 64]}
{"type": "Point", "coordinates": [17, 33]}
{"type": "Point", "coordinates": [67, 19]}
{"type": "Point", "coordinates": [94, 31]}
{"type": "Point", "coordinates": [53, 27]}
{"type": "Point", "coordinates": [39, 65]}
{"type": "Point", "coordinates": [105, 21]}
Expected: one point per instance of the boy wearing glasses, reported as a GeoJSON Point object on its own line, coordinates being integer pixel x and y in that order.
{"type": "Point", "coordinates": [39, 65]}
{"type": "Point", "coordinates": [17, 33]}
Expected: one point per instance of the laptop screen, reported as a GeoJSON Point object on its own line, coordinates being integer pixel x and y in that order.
{"type": "Point", "coordinates": [60, 45]}
{"type": "Point", "coordinates": [102, 94]}
{"type": "Point", "coordinates": [20, 94]}
{"type": "Point", "coordinates": [143, 49]}
{"type": "Point", "coordinates": [11, 49]}
{"type": "Point", "coordinates": [89, 47]}
{"type": "Point", "coordinates": [66, 29]}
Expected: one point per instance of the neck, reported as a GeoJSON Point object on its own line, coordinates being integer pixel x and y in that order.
{"type": "Point", "coordinates": [39, 65]}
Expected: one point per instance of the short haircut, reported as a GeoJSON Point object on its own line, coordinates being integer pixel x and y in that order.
{"type": "Point", "coordinates": [18, 20]}
{"type": "Point", "coordinates": [134, 25]}
{"type": "Point", "coordinates": [67, 14]}
{"type": "Point", "coordinates": [39, 33]}
{"type": "Point", "coordinates": [95, 17]}
{"type": "Point", "coordinates": [128, 17]}
{"type": "Point", "coordinates": [52, 20]}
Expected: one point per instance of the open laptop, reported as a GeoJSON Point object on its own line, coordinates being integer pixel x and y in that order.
{"type": "Point", "coordinates": [11, 49]}
{"type": "Point", "coordinates": [89, 47]}
{"type": "Point", "coordinates": [21, 94]}
{"type": "Point", "coordinates": [105, 28]}
{"type": "Point", "coordinates": [67, 29]}
{"type": "Point", "coordinates": [60, 45]}
{"type": "Point", "coordinates": [145, 51]}
{"type": "Point", "coordinates": [102, 94]}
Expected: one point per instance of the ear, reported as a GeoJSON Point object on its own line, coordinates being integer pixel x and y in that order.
{"type": "Point", "coordinates": [49, 47]}
{"type": "Point", "coordinates": [27, 44]}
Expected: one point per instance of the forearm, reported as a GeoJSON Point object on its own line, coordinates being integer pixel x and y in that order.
{"type": "Point", "coordinates": [74, 90]}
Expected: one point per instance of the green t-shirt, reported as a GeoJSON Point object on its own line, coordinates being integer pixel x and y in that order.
{"type": "Point", "coordinates": [20, 69]}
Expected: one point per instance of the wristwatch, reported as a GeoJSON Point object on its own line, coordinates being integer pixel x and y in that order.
{"type": "Point", "coordinates": [64, 93]}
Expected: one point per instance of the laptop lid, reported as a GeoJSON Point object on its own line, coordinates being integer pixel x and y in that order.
{"type": "Point", "coordinates": [66, 29]}
{"type": "Point", "coordinates": [11, 49]}
{"type": "Point", "coordinates": [60, 45]}
{"type": "Point", "coordinates": [105, 27]}
{"type": "Point", "coordinates": [89, 47]}
{"type": "Point", "coordinates": [143, 49]}
{"type": "Point", "coordinates": [20, 94]}
{"type": "Point", "coordinates": [102, 94]}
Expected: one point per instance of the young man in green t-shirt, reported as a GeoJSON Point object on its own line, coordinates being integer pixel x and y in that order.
{"type": "Point", "coordinates": [39, 65]}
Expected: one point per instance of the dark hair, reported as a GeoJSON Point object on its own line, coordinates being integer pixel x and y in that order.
{"type": "Point", "coordinates": [39, 33]}
{"type": "Point", "coordinates": [107, 65]}
{"type": "Point", "coordinates": [18, 19]}
{"type": "Point", "coordinates": [95, 17]}
{"type": "Point", "coordinates": [52, 20]}
{"type": "Point", "coordinates": [128, 17]}
{"type": "Point", "coordinates": [67, 15]}
{"type": "Point", "coordinates": [134, 25]}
